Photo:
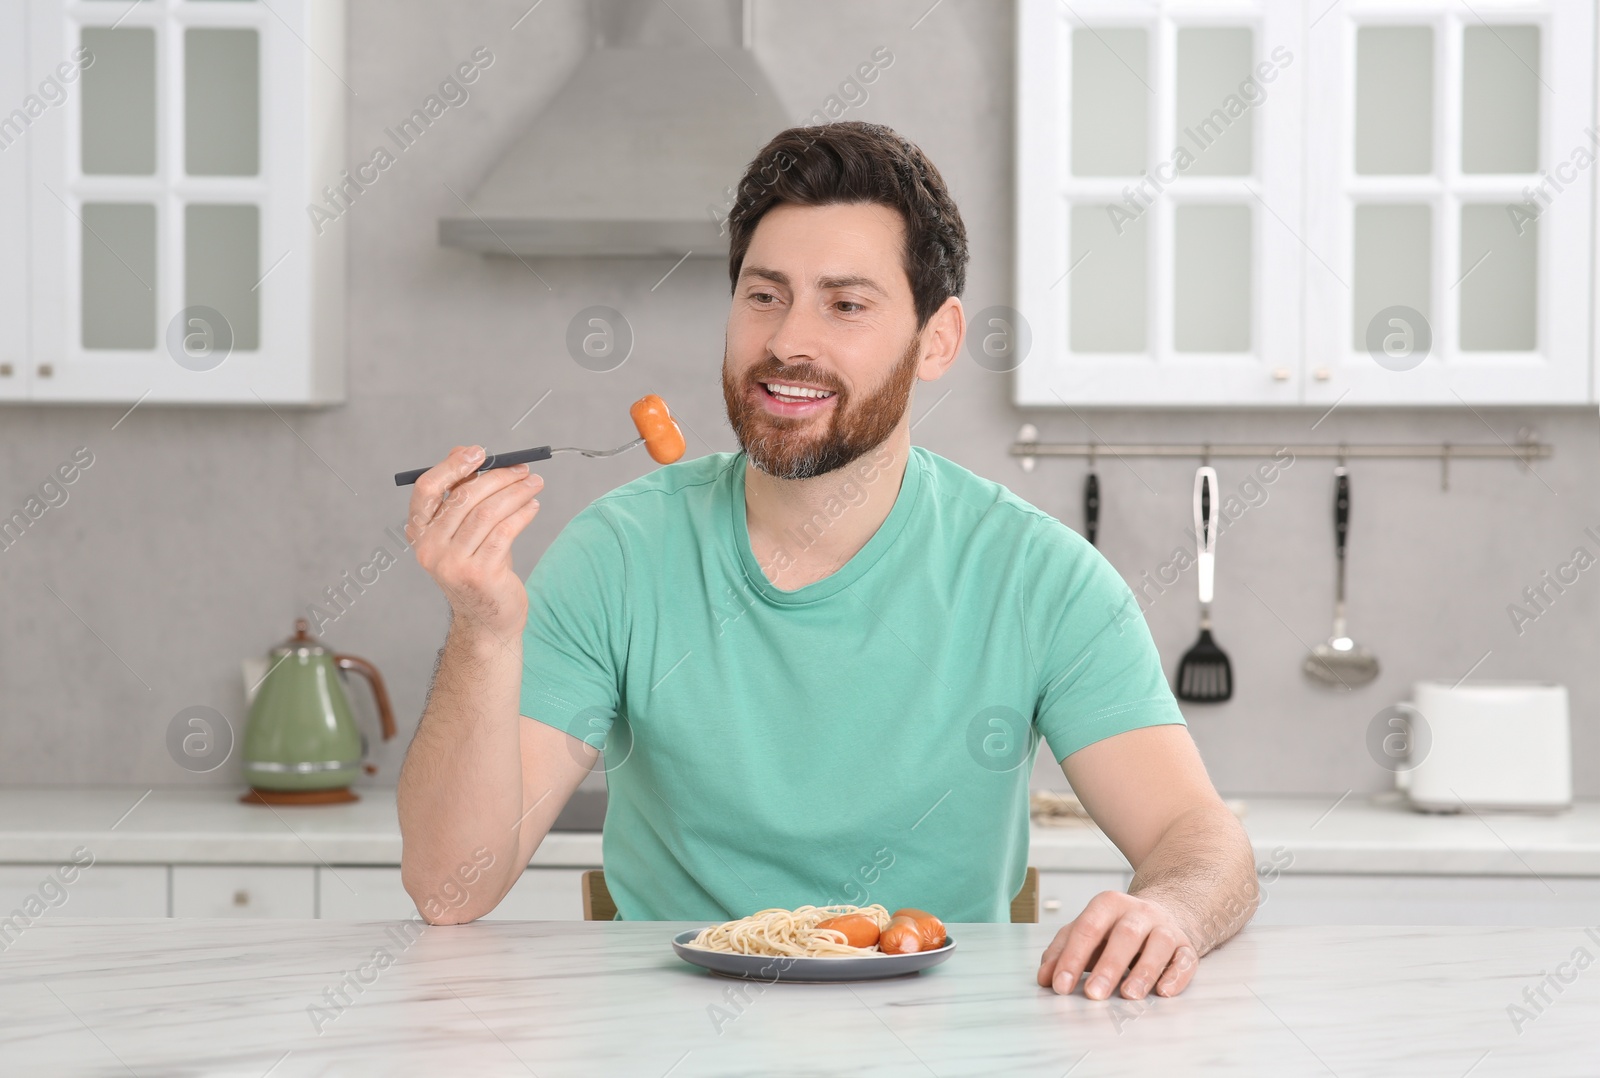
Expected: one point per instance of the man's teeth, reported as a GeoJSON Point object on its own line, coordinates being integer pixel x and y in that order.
{"type": "Point", "coordinates": [778, 389]}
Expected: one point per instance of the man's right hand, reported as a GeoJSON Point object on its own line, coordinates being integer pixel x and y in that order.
{"type": "Point", "coordinates": [461, 525]}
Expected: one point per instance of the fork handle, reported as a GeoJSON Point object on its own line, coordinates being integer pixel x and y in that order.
{"type": "Point", "coordinates": [493, 460]}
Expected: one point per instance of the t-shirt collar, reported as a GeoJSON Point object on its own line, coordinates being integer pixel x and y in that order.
{"type": "Point", "coordinates": [863, 559]}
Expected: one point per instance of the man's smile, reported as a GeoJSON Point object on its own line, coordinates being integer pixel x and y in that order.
{"type": "Point", "coordinates": [795, 405]}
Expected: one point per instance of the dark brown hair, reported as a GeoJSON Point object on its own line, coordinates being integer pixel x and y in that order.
{"type": "Point", "coordinates": [851, 161]}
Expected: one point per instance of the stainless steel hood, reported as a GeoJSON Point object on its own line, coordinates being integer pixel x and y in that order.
{"type": "Point", "coordinates": [637, 151]}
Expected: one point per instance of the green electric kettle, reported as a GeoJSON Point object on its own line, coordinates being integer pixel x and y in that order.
{"type": "Point", "coordinates": [301, 744]}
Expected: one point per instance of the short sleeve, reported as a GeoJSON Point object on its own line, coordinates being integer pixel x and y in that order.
{"type": "Point", "coordinates": [574, 643]}
{"type": "Point", "coordinates": [1098, 668]}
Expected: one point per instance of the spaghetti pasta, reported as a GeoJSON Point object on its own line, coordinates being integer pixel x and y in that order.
{"type": "Point", "coordinates": [793, 933]}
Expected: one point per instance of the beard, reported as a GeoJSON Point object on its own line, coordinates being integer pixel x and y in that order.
{"type": "Point", "coordinates": [785, 447]}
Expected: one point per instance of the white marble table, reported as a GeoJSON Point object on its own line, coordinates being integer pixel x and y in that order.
{"type": "Point", "coordinates": [176, 997]}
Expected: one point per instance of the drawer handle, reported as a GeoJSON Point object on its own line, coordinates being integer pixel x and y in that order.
{"type": "Point", "coordinates": [241, 898]}
{"type": "Point", "coordinates": [1051, 905]}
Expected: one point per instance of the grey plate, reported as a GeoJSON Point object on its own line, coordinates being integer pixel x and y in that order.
{"type": "Point", "coordinates": [812, 970]}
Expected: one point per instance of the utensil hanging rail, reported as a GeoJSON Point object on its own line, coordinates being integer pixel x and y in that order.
{"type": "Point", "coordinates": [1522, 451]}
{"type": "Point", "coordinates": [1526, 448]}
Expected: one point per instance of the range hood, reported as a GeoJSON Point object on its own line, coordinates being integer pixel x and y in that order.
{"type": "Point", "coordinates": [636, 153]}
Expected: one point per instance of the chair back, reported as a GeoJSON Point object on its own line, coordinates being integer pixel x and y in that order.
{"type": "Point", "coordinates": [597, 904]}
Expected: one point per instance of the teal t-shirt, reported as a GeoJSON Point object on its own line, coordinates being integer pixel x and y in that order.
{"type": "Point", "coordinates": [866, 738]}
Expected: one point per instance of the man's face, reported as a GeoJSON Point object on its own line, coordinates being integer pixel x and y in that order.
{"type": "Point", "coordinates": [822, 302]}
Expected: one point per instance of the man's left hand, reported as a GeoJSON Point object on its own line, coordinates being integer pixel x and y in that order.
{"type": "Point", "coordinates": [1114, 932]}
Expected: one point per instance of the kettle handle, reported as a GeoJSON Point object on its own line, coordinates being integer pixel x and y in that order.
{"type": "Point", "coordinates": [379, 693]}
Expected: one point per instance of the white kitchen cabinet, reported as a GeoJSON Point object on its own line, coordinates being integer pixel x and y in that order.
{"type": "Point", "coordinates": [244, 891]}
{"type": "Point", "coordinates": [1310, 899]}
{"type": "Point", "coordinates": [14, 205]}
{"type": "Point", "coordinates": [99, 890]}
{"type": "Point", "coordinates": [1379, 202]}
{"type": "Point", "coordinates": [171, 254]}
{"type": "Point", "coordinates": [375, 893]}
{"type": "Point", "coordinates": [1063, 895]}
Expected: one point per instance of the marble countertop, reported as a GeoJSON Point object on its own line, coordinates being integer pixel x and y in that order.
{"type": "Point", "coordinates": [249, 998]}
{"type": "Point", "coordinates": [1356, 833]}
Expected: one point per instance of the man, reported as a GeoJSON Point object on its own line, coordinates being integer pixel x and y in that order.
{"type": "Point", "coordinates": [819, 667]}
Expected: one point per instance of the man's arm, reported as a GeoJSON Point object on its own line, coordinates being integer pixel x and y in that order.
{"type": "Point", "coordinates": [1194, 882]}
{"type": "Point", "coordinates": [480, 784]}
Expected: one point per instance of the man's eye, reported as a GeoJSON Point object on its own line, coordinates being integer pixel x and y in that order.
{"type": "Point", "coordinates": [763, 297]}
{"type": "Point", "coordinates": [852, 305]}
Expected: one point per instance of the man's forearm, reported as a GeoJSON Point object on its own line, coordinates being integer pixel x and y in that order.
{"type": "Point", "coordinates": [460, 787]}
{"type": "Point", "coordinates": [1203, 870]}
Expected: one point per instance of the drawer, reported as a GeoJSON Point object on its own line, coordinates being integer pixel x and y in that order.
{"type": "Point", "coordinates": [367, 893]}
{"type": "Point", "coordinates": [96, 891]}
{"type": "Point", "coordinates": [244, 891]}
{"type": "Point", "coordinates": [1062, 895]}
{"type": "Point", "coordinates": [1310, 899]}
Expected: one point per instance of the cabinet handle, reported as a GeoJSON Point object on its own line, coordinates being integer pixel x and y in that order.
{"type": "Point", "coordinates": [1280, 374]}
{"type": "Point", "coordinates": [5, 370]}
{"type": "Point", "coordinates": [1051, 905]}
{"type": "Point", "coordinates": [1322, 374]}
{"type": "Point", "coordinates": [241, 898]}
{"type": "Point", "coordinates": [46, 370]}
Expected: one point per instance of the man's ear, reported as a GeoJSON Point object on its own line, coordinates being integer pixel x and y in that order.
{"type": "Point", "coordinates": [942, 339]}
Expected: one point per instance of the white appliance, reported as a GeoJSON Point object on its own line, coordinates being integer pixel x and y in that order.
{"type": "Point", "coordinates": [1488, 745]}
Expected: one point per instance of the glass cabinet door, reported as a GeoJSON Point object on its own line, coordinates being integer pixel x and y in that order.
{"type": "Point", "coordinates": [1450, 204]}
{"type": "Point", "coordinates": [1159, 265]}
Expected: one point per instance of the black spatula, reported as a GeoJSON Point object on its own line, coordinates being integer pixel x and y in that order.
{"type": "Point", "coordinates": [1204, 674]}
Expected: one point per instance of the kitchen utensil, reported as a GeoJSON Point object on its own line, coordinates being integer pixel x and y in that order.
{"type": "Point", "coordinates": [520, 456]}
{"type": "Point", "coordinates": [1204, 674]}
{"type": "Point", "coordinates": [657, 430]}
{"type": "Point", "coordinates": [1091, 506]}
{"type": "Point", "coordinates": [1340, 661]}
{"type": "Point", "coordinates": [769, 968]}
{"type": "Point", "coordinates": [301, 744]}
{"type": "Point", "coordinates": [1489, 745]}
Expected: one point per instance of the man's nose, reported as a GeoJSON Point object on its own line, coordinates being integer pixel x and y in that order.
{"type": "Point", "coordinates": [798, 333]}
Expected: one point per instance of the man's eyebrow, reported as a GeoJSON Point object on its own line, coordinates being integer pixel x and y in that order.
{"type": "Point", "coordinates": [848, 281]}
{"type": "Point", "coordinates": [775, 276]}
{"type": "Point", "coordinates": [854, 280]}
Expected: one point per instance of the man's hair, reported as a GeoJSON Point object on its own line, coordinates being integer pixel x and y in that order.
{"type": "Point", "coordinates": [851, 161]}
